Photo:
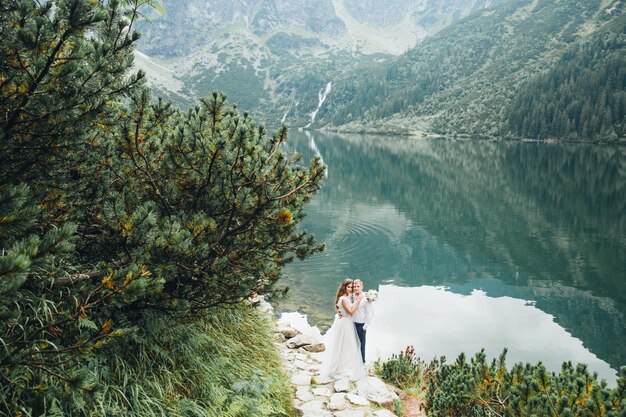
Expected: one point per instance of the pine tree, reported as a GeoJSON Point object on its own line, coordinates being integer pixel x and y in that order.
{"type": "Point", "coordinates": [64, 67]}
{"type": "Point", "coordinates": [595, 78]}
{"type": "Point", "coordinates": [476, 389]}
{"type": "Point", "coordinates": [114, 205]}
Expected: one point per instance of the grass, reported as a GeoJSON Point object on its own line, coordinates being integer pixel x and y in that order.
{"type": "Point", "coordinates": [224, 363]}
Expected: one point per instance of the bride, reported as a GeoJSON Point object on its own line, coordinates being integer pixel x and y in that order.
{"type": "Point", "coordinates": [343, 357]}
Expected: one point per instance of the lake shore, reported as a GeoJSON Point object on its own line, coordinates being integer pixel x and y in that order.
{"type": "Point", "coordinates": [302, 349]}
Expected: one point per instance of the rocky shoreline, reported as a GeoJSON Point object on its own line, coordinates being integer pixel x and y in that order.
{"type": "Point", "coordinates": [316, 396]}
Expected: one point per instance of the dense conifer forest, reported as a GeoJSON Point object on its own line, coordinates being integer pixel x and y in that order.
{"type": "Point", "coordinates": [550, 69]}
{"type": "Point", "coordinates": [582, 96]}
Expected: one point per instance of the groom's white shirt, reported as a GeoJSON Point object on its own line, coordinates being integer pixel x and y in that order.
{"type": "Point", "coordinates": [364, 313]}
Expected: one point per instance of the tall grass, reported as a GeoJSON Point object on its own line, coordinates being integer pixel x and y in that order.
{"type": "Point", "coordinates": [223, 363]}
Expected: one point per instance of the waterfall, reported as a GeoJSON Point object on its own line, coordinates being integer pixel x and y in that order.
{"type": "Point", "coordinates": [322, 97]}
{"type": "Point", "coordinates": [287, 112]}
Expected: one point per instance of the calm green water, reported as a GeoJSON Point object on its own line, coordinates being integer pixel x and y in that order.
{"type": "Point", "coordinates": [472, 244]}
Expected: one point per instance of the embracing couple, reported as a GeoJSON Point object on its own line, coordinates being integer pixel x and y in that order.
{"type": "Point", "coordinates": [345, 354]}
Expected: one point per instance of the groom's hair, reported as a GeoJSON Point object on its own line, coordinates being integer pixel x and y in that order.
{"type": "Point", "coordinates": [357, 280]}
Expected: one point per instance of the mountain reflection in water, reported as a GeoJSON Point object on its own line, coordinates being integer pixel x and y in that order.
{"type": "Point", "coordinates": [487, 220]}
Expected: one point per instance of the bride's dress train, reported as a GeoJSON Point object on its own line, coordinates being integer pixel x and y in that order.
{"type": "Point", "coordinates": [342, 358]}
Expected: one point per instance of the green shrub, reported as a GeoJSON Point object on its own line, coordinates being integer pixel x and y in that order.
{"type": "Point", "coordinates": [402, 370]}
{"type": "Point", "coordinates": [478, 389]}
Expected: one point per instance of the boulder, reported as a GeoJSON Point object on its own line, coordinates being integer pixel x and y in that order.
{"type": "Point", "coordinates": [338, 402]}
{"type": "Point", "coordinates": [376, 391]}
{"type": "Point", "coordinates": [316, 347]}
{"type": "Point", "coordinates": [301, 340]}
{"type": "Point", "coordinates": [342, 385]}
{"type": "Point", "coordinates": [287, 331]}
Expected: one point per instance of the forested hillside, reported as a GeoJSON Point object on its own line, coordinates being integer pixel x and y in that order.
{"type": "Point", "coordinates": [461, 80]}
{"type": "Point", "coordinates": [474, 70]}
{"type": "Point", "coordinates": [272, 57]}
{"type": "Point", "coordinates": [582, 96]}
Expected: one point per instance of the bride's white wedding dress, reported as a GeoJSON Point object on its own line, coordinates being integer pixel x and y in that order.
{"type": "Point", "coordinates": [343, 355]}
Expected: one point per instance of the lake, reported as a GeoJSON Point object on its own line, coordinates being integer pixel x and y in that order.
{"type": "Point", "coordinates": [472, 244]}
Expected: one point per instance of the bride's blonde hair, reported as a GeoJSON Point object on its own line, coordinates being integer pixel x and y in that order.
{"type": "Point", "coordinates": [342, 290]}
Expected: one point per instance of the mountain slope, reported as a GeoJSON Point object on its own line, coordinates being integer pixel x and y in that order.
{"type": "Point", "coordinates": [461, 80]}
{"type": "Point", "coordinates": [331, 64]}
{"type": "Point", "coordinates": [272, 57]}
{"type": "Point", "coordinates": [583, 95]}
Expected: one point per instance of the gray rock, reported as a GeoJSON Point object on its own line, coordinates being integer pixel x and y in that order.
{"type": "Point", "coordinates": [351, 413]}
{"type": "Point", "coordinates": [287, 355]}
{"type": "Point", "coordinates": [342, 385]}
{"type": "Point", "coordinates": [301, 340]}
{"type": "Point", "coordinates": [317, 347]}
{"type": "Point", "coordinates": [384, 413]}
{"type": "Point", "coordinates": [259, 302]}
{"type": "Point", "coordinates": [312, 408]}
{"type": "Point", "coordinates": [338, 402]}
{"type": "Point", "coordinates": [300, 378]}
{"type": "Point", "coordinates": [315, 366]}
{"type": "Point", "coordinates": [322, 391]}
{"type": "Point", "coordinates": [304, 394]}
{"type": "Point", "coordinates": [287, 331]}
{"type": "Point", "coordinates": [357, 399]}
{"type": "Point", "coordinates": [376, 391]}
{"type": "Point", "coordinates": [317, 413]}
{"type": "Point", "coordinates": [322, 380]}
{"type": "Point", "coordinates": [301, 364]}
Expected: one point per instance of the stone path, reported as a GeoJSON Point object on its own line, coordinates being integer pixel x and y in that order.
{"type": "Point", "coordinates": [316, 396]}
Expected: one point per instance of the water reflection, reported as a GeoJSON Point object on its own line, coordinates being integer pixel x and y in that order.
{"type": "Point", "coordinates": [525, 221]}
{"type": "Point", "coordinates": [441, 322]}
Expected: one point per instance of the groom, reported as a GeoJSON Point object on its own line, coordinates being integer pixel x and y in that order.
{"type": "Point", "coordinates": [363, 315]}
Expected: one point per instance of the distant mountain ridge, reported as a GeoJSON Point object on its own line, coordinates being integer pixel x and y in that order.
{"type": "Point", "coordinates": [274, 58]}
{"type": "Point", "coordinates": [198, 46]}
{"type": "Point", "coordinates": [186, 25]}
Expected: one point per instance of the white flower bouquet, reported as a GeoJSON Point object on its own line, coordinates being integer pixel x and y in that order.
{"type": "Point", "coordinates": [371, 295]}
